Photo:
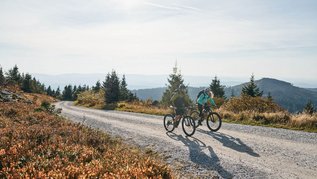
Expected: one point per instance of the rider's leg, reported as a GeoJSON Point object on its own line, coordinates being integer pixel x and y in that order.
{"type": "Point", "coordinates": [200, 109]}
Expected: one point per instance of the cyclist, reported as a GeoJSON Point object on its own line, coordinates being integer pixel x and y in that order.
{"type": "Point", "coordinates": [203, 98]}
{"type": "Point", "coordinates": [179, 102]}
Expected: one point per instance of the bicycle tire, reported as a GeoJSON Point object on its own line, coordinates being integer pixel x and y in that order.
{"type": "Point", "coordinates": [188, 125]}
{"type": "Point", "coordinates": [169, 122]}
{"type": "Point", "coordinates": [195, 116]}
{"type": "Point", "coordinates": [212, 119]}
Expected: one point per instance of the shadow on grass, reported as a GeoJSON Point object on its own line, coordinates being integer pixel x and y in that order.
{"type": "Point", "coordinates": [207, 160]}
{"type": "Point", "coordinates": [231, 142]}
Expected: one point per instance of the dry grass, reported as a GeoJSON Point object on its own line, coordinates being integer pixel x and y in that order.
{"type": "Point", "coordinates": [38, 144]}
{"type": "Point", "coordinates": [304, 120]}
{"type": "Point", "coordinates": [142, 107]}
{"type": "Point", "coordinates": [260, 111]}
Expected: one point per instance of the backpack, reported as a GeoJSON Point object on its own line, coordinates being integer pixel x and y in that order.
{"type": "Point", "coordinates": [201, 92]}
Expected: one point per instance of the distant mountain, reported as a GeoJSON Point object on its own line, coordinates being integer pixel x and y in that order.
{"type": "Point", "coordinates": [157, 93]}
{"type": "Point", "coordinates": [285, 94]}
{"type": "Point", "coordinates": [135, 81]}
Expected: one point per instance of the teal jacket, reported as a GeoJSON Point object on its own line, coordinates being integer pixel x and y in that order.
{"type": "Point", "coordinates": [204, 98]}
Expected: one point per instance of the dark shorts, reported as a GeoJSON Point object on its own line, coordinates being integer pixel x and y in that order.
{"type": "Point", "coordinates": [180, 111]}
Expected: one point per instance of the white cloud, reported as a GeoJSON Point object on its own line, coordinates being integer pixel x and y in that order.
{"type": "Point", "coordinates": [147, 36]}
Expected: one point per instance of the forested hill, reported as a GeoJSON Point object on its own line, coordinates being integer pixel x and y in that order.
{"type": "Point", "coordinates": [285, 94]}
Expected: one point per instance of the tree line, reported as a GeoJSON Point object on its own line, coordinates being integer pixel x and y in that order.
{"type": "Point", "coordinates": [26, 82]}
{"type": "Point", "coordinates": [116, 88]}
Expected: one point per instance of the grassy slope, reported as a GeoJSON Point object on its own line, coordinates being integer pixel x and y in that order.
{"type": "Point", "coordinates": [35, 143]}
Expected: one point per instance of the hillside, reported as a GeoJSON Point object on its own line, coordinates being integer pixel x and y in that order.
{"type": "Point", "coordinates": [312, 89]}
{"type": "Point", "coordinates": [35, 142]}
{"type": "Point", "coordinates": [285, 94]}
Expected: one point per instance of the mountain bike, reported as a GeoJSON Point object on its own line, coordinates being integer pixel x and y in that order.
{"type": "Point", "coordinates": [213, 119]}
{"type": "Point", "coordinates": [188, 123]}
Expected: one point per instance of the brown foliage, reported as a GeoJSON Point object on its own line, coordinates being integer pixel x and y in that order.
{"type": "Point", "coordinates": [38, 144]}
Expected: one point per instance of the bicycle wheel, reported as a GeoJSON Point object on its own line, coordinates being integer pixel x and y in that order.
{"type": "Point", "coordinates": [214, 121]}
{"type": "Point", "coordinates": [188, 125]}
{"type": "Point", "coordinates": [169, 122]}
{"type": "Point", "coordinates": [195, 116]}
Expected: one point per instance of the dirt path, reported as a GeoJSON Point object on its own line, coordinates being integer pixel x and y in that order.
{"type": "Point", "coordinates": [236, 151]}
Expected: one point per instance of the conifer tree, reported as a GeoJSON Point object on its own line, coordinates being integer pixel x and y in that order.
{"type": "Point", "coordinates": [68, 93]}
{"type": "Point", "coordinates": [175, 88]}
{"type": "Point", "coordinates": [75, 93]}
{"type": "Point", "coordinates": [49, 91]}
{"type": "Point", "coordinates": [251, 89]}
{"type": "Point", "coordinates": [269, 96]}
{"type": "Point", "coordinates": [217, 89]}
{"type": "Point", "coordinates": [232, 93]}
{"type": "Point", "coordinates": [112, 88]}
{"type": "Point", "coordinates": [13, 75]}
{"type": "Point", "coordinates": [58, 93]}
{"type": "Point", "coordinates": [27, 83]}
{"type": "Point", "coordinates": [2, 78]}
{"type": "Point", "coordinates": [124, 92]}
{"type": "Point", "coordinates": [309, 108]}
{"type": "Point", "coordinates": [97, 87]}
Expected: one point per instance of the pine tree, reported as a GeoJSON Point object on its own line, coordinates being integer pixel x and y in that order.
{"type": "Point", "coordinates": [124, 92]}
{"type": "Point", "coordinates": [175, 89]}
{"type": "Point", "coordinates": [2, 79]}
{"type": "Point", "coordinates": [49, 91]}
{"type": "Point", "coordinates": [112, 88]}
{"type": "Point", "coordinates": [269, 96]}
{"type": "Point", "coordinates": [309, 108]}
{"type": "Point", "coordinates": [251, 89]}
{"type": "Point", "coordinates": [232, 93]}
{"type": "Point", "coordinates": [58, 93]}
{"type": "Point", "coordinates": [13, 75]}
{"type": "Point", "coordinates": [75, 93]}
{"type": "Point", "coordinates": [217, 89]}
{"type": "Point", "coordinates": [67, 93]}
{"type": "Point", "coordinates": [27, 83]}
{"type": "Point", "coordinates": [97, 87]}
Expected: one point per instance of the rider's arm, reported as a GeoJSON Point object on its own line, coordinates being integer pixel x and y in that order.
{"type": "Point", "coordinates": [212, 102]}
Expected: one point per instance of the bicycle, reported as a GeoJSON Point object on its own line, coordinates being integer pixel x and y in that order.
{"type": "Point", "coordinates": [188, 123]}
{"type": "Point", "coordinates": [213, 119]}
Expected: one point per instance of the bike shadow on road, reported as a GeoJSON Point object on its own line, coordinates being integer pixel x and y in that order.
{"type": "Point", "coordinates": [231, 142]}
{"type": "Point", "coordinates": [197, 155]}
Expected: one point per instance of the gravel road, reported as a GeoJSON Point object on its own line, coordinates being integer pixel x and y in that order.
{"type": "Point", "coordinates": [236, 151]}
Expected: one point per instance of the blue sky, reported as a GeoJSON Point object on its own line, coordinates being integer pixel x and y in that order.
{"type": "Point", "coordinates": [226, 38]}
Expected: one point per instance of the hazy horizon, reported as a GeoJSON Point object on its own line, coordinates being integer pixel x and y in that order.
{"type": "Point", "coordinates": [207, 38]}
{"type": "Point", "coordinates": [143, 81]}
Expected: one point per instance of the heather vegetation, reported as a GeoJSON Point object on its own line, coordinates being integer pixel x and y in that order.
{"type": "Point", "coordinates": [36, 143]}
